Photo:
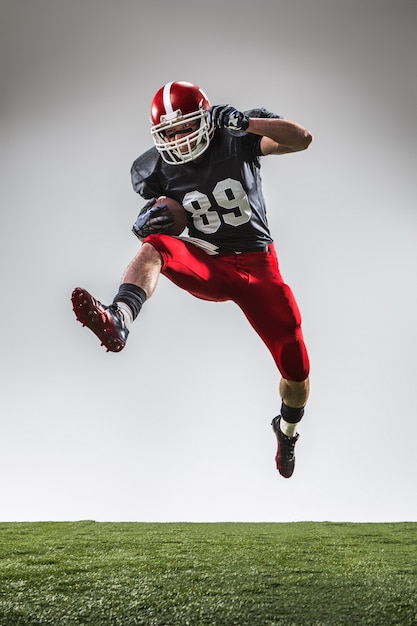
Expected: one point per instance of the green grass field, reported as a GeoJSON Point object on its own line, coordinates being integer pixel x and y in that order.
{"type": "Point", "coordinates": [307, 573]}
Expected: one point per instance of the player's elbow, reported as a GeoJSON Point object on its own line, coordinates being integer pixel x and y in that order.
{"type": "Point", "coordinates": [306, 140]}
{"type": "Point", "coordinates": [302, 142]}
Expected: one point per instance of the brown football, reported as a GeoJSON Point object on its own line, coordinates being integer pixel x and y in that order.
{"type": "Point", "coordinates": [178, 212]}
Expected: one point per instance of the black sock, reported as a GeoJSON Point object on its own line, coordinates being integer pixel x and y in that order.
{"type": "Point", "coordinates": [291, 414]}
{"type": "Point", "coordinates": [132, 295]}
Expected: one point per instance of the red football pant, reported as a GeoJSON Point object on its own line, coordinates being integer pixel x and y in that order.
{"type": "Point", "coordinates": [253, 281]}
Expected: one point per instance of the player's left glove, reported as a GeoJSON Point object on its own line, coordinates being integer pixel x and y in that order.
{"type": "Point", "coordinates": [226, 116]}
{"type": "Point", "coordinates": [152, 220]}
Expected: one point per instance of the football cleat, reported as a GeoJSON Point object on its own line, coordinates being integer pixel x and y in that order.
{"type": "Point", "coordinates": [106, 322]}
{"type": "Point", "coordinates": [285, 457]}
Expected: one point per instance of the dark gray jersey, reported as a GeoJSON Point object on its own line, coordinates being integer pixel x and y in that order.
{"type": "Point", "coordinates": [221, 191]}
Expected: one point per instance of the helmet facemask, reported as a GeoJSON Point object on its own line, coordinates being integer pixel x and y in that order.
{"type": "Point", "coordinates": [188, 147]}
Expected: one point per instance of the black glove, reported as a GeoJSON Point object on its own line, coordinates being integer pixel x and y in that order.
{"type": "Point", "coordinates": [226, 116]}
{"type": "Point", "coordinates": [153, 219]}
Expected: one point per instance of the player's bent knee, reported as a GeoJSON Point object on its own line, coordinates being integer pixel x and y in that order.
{"type": "Point", "coordinates": [294, 362]}
{"type": "Point", "coordinates": [149, 254]}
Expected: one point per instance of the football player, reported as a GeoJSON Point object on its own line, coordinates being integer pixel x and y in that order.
{"type": "Point", "coordinates": [208, 158]}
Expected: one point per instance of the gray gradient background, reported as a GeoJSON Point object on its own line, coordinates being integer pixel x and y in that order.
{"type": "Point", "coordinates": [177, 427]}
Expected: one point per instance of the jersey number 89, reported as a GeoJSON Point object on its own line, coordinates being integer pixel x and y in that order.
{"type": "Point", "coordinates": [229, 195]}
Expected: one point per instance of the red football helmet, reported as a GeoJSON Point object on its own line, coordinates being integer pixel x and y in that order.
{"type": "Point", "coordinates": [181, 126]}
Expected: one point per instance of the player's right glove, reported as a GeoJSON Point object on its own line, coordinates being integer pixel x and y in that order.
{"type": "Point", "coordinates": [226, 116]}
{"type": "Point", "coordinates": [151, 220]}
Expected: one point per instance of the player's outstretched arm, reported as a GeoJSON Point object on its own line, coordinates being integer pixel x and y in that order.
{"type": "Point", "coordinates": [279, 136]}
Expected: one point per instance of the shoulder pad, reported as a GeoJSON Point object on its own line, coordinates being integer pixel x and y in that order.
{"type": "Point", "coordinates": [144, 174]}
{"type": "Point", "coordinates": [262, 113]}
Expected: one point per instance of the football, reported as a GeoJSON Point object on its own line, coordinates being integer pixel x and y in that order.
{"type": "Point", "coordinates": [177, 211]}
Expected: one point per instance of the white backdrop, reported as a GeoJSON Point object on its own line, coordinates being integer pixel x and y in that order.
{"type": "Point", "coordinates": [177, 426]}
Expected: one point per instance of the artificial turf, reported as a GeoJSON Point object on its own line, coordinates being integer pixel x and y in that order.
{"type": "Point", "coordinates": [222, 574]}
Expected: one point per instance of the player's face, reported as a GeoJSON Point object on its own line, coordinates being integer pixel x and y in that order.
{"type": "Point", "coordinates": [180, 131]}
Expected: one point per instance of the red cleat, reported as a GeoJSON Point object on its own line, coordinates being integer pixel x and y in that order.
{"type": "Point", "coordinates": [106, 322]}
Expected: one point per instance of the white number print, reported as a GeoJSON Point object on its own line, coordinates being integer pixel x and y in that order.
{"type": "Point", "coordinates": [229, 195]}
